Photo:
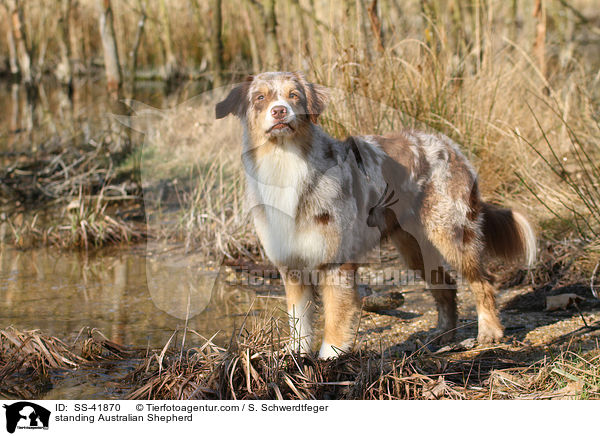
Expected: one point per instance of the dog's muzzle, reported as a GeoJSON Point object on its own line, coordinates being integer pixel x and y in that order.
{"type": "Point", "coordinates": [279, 126]}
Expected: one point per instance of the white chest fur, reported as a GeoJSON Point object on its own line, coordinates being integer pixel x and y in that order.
{"type": "Point", "coordinates": [275, 183]}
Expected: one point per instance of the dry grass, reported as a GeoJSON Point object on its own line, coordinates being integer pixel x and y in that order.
{"type": "Point", "coordinates": [253, 367]}
{"type": "Point", "coordinates": [84, 224]}
{"type": "Point", "coordinates": [68, 194]}
{"type": "Point", "coordinates": [514, 122]}
{"type": "Point", "coordinates": [570, 375]}
{"type": "Point", "coordinates": [256, 364]}
{"type": "Point", "coordinates": [192, 179]}
{"type": "Point", "coordinates": [529, 126]}
{"type": "Point", "coordinates": [28, 358]}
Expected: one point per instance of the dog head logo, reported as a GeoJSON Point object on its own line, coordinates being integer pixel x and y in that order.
{"type": "Point", "coordinates": [24, 414]}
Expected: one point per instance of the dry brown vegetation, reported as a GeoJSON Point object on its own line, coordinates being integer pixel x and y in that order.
{"type": "Point", "coordinates": [515, 83]}
{"type": "Point", "coordinates": [256, 365]}
{"type": "Point", "coordinates": [521, 97]}
{"type": "Point", "coordinates": [60, 195]}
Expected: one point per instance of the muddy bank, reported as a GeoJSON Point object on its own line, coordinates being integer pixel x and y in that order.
{"type": "Point", "coordinates": [253, 366]}
{"type": "Point", "coordinates": [544, 355]}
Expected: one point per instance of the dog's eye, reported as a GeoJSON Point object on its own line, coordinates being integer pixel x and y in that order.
{"type": "Point", "coordinates": [293, 94]}
{"type": "Point", "coordinates": [260, 97]}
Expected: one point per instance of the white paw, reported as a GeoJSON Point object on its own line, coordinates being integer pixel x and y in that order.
{"type": "Point", "coordinates": [489, 330]}
{"type": "Point", "coordinates": [328, 351]}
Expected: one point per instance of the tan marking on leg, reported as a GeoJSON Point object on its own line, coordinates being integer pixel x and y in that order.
{"type": "Point", "coordinates": [341, 306]}
{"type": "Point", "coordinates": [489, 326]}
{"type": "Point", "coordinates": [301, 308]}
{"type": "Point", "coordinates": [467, 258]}
{"type": "Point", "coordinates": [445, 300]}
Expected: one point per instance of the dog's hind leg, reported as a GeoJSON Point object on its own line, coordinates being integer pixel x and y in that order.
{"type": "Point", "coordinates": [301, 308]}
{"type": "Point", "coordinates": [425, 258]}
{"type": "Point", "coordinates": [341, 305]}
{"type": "Point", "coordinates": [465, 253]}
{"type": "Point", "coordinates": [489, 327]}
{"type": "Point", "coordinates": [443, 288]}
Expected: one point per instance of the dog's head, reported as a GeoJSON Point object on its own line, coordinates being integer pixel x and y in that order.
{"type": "Point", "coordinates": [275, 105]}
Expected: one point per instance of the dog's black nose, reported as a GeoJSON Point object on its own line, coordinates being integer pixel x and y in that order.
{"type": "Point", "coordinates": [278, 112]}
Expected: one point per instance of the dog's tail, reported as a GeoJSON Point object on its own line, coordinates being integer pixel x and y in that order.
{"type": "Point", "coordinates": [508, 234]}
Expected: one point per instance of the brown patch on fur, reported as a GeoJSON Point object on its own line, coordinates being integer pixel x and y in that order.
{"type": "Point", "coordinates": [421, 166]}
{"type": "Point", "coordinates": [474, 203]}
{"type": "Point", "coordinates": [316, 97]}
{"type": "Point", "coordinates": [428, 202]}
{"type": "Point", "coordinates": [501, 232]}
{"type": "Point", "coordinates": [307, 214]}
{"type": "Point", "coordinates": [468, 235]}
{"type": "Point", "coordinates": [462, 179]}
{"type": "Point", "coordinates": [398, 147]}
{"type": "Point", "coordinates": [236, 102]}
{"type": "Point", "coordinates": [323, 218]}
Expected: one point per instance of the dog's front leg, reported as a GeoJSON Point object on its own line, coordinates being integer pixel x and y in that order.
{"type": "Point", "coordinates": [301, 308]}
{"type": "Point", "coordinates": [342, 310]}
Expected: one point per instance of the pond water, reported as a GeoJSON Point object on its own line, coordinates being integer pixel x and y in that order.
{"type": "Point", "coordinates": [33, 118]}
{"type": "Point", "coordinates": [62, 292]}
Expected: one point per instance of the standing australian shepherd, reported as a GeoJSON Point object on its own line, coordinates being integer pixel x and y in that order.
{"type": "Point", "coordinates": [320, 204]}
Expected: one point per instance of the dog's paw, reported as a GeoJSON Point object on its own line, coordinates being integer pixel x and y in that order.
{"type": "Point", "coordinates": [329, 351]}
{"type": "Point", "coordinates": [488, 334]}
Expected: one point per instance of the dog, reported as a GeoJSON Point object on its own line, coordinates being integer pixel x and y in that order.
{"type": "Point", "coordinates": [320, 204]}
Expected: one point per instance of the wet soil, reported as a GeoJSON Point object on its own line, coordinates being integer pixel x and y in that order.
{"type": "Point", "coordinates": [61, 293]}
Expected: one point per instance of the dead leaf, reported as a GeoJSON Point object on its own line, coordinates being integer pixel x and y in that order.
{"type": "Point", "coordinates": [434, 390]}
{"type": "Point", "coordinates": [562, 301]}
{"type": "Point", "coordinates": [571, 391]}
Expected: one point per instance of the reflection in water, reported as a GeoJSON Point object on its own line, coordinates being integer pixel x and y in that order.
{"type": "Point", "coordinates": [48, 113]}
{"type": "Point", "coordinates": [60, 293]}
{"type": "Point", "coordinates": [180, 285]}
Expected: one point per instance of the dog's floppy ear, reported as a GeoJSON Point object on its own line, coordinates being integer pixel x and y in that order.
{"type": "Point", "coordinates": [316, 97]}
{"type": "Point", "coordinates": [316, 100]}
{"type": "Point", "coordinates": [236, 102]}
